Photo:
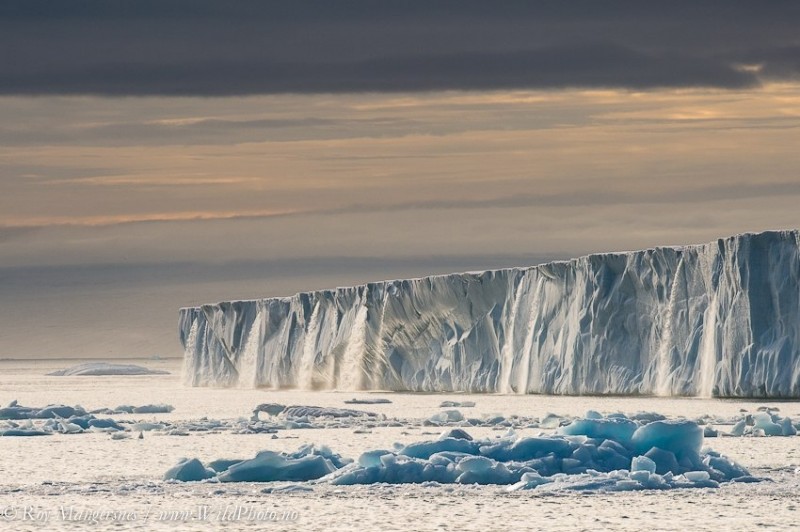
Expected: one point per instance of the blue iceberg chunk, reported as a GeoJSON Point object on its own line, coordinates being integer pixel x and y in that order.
{"type": "Point", "coordinates": [269, 466]}
{"type": "Point", "coordinates": [223, 464]}
{"type": "Point", "coordinates": [425, 449]}
{"type": "Point", "coordinates": [618, 429]}
{"type": "Point", "coordinates": [24, 432]}
{"type": "Point", "coordinates": [372, 458]}
{"type": "Point", "coordinates": [528, 449]}
{"type": "Point", "coordinates": [680, 437]}
{"type": "Point", "coordinates": [17, 412]}
{"type": "Point", "coordinates": [664, 461]}
{"type": "Point", "coordinates": [105, 424]}
{"type": "Point", "coordinates": [189, 470]}
{"type": "Point", "coordinates": [458, 434]}
{"type": "Point", "coordinates": [53, 411]}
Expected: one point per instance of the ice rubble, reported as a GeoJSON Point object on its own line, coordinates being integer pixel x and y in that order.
{"type": "Point", "coordinates": [95, 369]}
{"type": "Point", "coordinates": [18, 420]}
{"type": "Point", "coordinates": [605, 454]}
{"type": "Point", "coordinates": [717, 319]}
{"type": "Point", "coordinates": [273, 409]}
{"type": "Point", "coordinates": [16, 411]}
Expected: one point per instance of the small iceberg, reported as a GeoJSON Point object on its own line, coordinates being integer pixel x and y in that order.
{"type": "Point", "coordinates": [369, 401]}
{"type": "Point", "coordinates": [96, 369]}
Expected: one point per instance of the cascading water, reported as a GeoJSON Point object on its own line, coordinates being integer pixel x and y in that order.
{"type": "Point", "coordinates": [248, 365]}
{"type": "Point", "coordinates": [665, 365]}
{"type": "Point", "coordinates": [708, 351]}
{"type": "Point", "coordinates": [306, 378]}
{"type": "Point", "coordinates": [507, 352]}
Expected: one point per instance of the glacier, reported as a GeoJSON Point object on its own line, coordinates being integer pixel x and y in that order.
{"type": "Point", "coordinates": [719, 319]}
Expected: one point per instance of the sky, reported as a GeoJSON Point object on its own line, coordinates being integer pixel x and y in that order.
{"type": "Point", "coordinates": [160, 154]}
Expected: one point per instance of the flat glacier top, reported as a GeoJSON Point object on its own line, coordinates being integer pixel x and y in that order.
{"type": "Point", "coordinates": [590, 256]}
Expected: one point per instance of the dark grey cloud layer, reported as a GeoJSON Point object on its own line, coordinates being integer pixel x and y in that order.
{"type": "Point", "coordinates": [203, 47]}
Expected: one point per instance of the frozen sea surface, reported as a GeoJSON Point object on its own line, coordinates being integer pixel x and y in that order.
{"type": "Point", "coordinates": [64, 478]}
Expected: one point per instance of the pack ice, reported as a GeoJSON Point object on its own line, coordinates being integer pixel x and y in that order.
{"type": "Point", "coordinates": [717, 319]}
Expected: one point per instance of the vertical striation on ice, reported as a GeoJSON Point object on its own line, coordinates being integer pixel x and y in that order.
{"type": "Point", "coordinates": [718, 319]}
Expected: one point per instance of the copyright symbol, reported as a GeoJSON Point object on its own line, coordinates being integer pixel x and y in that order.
{"type": "Point", "coordinates": [8, 513]}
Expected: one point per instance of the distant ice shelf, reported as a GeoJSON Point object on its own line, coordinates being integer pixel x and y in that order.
{"type": "Point", "coordinates": [718, 319]}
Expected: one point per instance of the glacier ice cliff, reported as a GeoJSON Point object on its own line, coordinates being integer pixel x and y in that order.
{"type": "Point", "coordinates": [718, 319]}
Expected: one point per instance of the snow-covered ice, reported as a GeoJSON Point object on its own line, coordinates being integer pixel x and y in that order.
{"type": "Point", "coordinates": [719, 319]}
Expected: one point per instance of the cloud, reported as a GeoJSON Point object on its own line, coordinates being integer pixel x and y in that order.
{"type": "Point", "coordinates": [781, 62]}
{"type": "Point", "coordinates": [15, 226]}
{"type": "Point", "coordinates": [14, 233]}
{"type": "Point", "coordinates": [203, 47]}
{"type": "Point", "coordinates": [590, 197]}
{"type": "Point", "coordinates": [203, 131]}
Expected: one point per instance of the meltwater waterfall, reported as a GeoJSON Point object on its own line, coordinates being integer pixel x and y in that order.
{"type": "Point", "coordinates": [718, 319]}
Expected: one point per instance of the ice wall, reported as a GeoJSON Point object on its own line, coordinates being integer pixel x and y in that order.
{"type": "Point", "coordinates": [718, 319]}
